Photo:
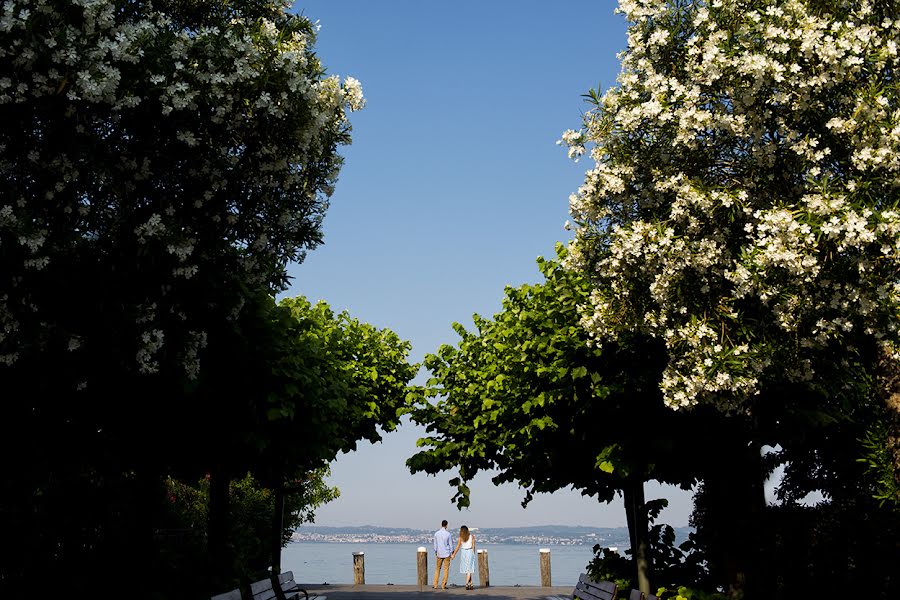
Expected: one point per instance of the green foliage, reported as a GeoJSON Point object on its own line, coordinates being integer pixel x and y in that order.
{"type": "Point", "coordinates": [295, 385]}
{"type": "Point", "coordinates": [686, 593]}
{"type": "Point", "coordinates": [685, 563]}
{"type": "Point", "coordinates": [286, 389]}
{"type": "Point", "coordinates": [880, 466]}
{"type": "Point", "coordinates": [882, 442]}
{"type": "Point", "coordinates": [187, 513]}
{"type": "Point", "coordinates": [609, 565]}
{"type": "Point", "coordinates": [334, 381]}
{"type": "Point", "coordinates": [528, 394]}
{"type": "Point", "coordinates": [802, 551]}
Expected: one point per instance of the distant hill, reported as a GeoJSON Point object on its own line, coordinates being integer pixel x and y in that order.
{"type": "Point", "coordinates": [554, 530]}
{"type": "Point", "coordinates": [534, 534]}
{"type": "Point", "coordinates": [359, 529]}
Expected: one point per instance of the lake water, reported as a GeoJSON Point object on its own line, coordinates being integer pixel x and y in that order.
{"type": "Point", "coordinates": [510, 564]}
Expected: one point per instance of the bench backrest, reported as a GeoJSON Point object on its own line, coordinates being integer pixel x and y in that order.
{"type": "Point", "coordinates": [234, 594]}
{"type": "Point", "coordinates": [291, 589]}
{"type": "Point", "coordinates": [262, 590]}
{"type": "Point", "coordinates": [588, 589]}
{"type": "Point", "coordinates": [286, 580]}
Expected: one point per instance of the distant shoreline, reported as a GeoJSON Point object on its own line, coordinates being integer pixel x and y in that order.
{"type": "Point", "coordinates": [544, 535]}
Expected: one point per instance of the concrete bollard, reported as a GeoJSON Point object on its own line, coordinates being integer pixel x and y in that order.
{"type": "Point", "coordinates": [422, 567]}
{"type": "Point", "coordinates": [484, 573]}
{"type": "Point", "coordinates": [545, 567]}
{"type": "Point", "coordinates": [359, 568]}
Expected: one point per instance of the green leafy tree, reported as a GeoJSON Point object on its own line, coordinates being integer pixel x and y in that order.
{"type": "Point", "coordinates": [334, 381]}
{"type": "Point", "coordinates": [529, 395]}
{"type": "Point", "coordinates": [684, 563]}
{"type": "Point", "coordinates": [183, 542]}
{"type": "Point", "coordinates": [295, 384]}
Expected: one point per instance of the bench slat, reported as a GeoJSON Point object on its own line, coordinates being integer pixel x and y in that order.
{"type": "Point", "coordinates": [258, 587]}
{"type": "Point", "coordinates": [587, 595]}
{"type": "Point", "coordinates": [234, 594]}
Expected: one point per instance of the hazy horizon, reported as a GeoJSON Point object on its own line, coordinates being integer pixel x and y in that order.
{"type": "Point", "coordinates": [540, 526]}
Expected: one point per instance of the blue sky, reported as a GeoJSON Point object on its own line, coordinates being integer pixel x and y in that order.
{"type": "Point", "coordinates": [451, 189]}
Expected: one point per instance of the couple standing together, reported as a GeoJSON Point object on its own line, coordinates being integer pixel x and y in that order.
{"type": "Point", "coordinates": [443, 543]}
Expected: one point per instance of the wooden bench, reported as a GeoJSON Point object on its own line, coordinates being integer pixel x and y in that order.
{"type": "Point", "coordinates": [234, 594]}
{"type": "Point", "coordinates": [639, 595]}
{"type": "Point", "coordinates": [286, 589]}
{"type": "Point", "coordinates": [588, 589]}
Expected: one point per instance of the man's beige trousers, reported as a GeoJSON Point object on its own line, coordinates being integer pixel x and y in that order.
{"type": "Point", "coordinates": [445, 563]}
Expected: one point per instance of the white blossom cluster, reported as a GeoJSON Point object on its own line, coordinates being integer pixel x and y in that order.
{"type": "Point", "coordinates": [743, 203]}
{"type": "Point", "coordinates": [147, 143]}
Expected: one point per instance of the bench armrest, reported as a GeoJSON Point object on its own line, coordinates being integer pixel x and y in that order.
{"type": "Point", "coordinates": [293, 593]}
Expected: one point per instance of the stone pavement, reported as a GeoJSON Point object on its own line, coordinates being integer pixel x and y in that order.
{"type": "Point", "coordinates": [411, 592]}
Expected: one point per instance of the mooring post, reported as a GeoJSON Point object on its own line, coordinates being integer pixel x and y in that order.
{"type": "Point", "coordinates": [545, 567]}
{"type": "Point", "coordinates": [422, 567]}
{"type": "Point", "coordinates": [484, 573]}
{"type": "Point", "coordinates": [359, 568]}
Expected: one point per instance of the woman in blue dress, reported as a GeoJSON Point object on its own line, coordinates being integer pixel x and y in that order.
{"type": "Point", "coordinates": [466, 545]}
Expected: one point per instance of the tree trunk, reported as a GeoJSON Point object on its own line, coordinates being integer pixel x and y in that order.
{"type": "Point", "coordinates": [638, 531]}
{"type": "Point", "coordinates": [218, 525]}
{"type": "Point", "coordinates": [277, 523]}
{"type": "Point", "coordinates": [733, 502]}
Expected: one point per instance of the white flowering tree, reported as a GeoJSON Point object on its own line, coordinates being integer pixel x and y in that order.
{"type": "Point", "coordinates": [160, 165]}
{"type": "Point", "coordinates": [742, 202]}
{"type": "Point", "coordinates": [155, 163]}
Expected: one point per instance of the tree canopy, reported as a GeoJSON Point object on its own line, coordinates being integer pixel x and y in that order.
{"type": "Point", "coordinates": [528, 394]}
{"type": "Point", "coordinates": [337, 381]}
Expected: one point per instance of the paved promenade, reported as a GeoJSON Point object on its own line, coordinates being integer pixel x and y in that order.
{"type": "Point", "coordinates": [411, 592]}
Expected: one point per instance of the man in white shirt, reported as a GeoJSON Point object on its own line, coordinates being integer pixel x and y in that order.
{"type": "Point", "coordinates": [443, 547]}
